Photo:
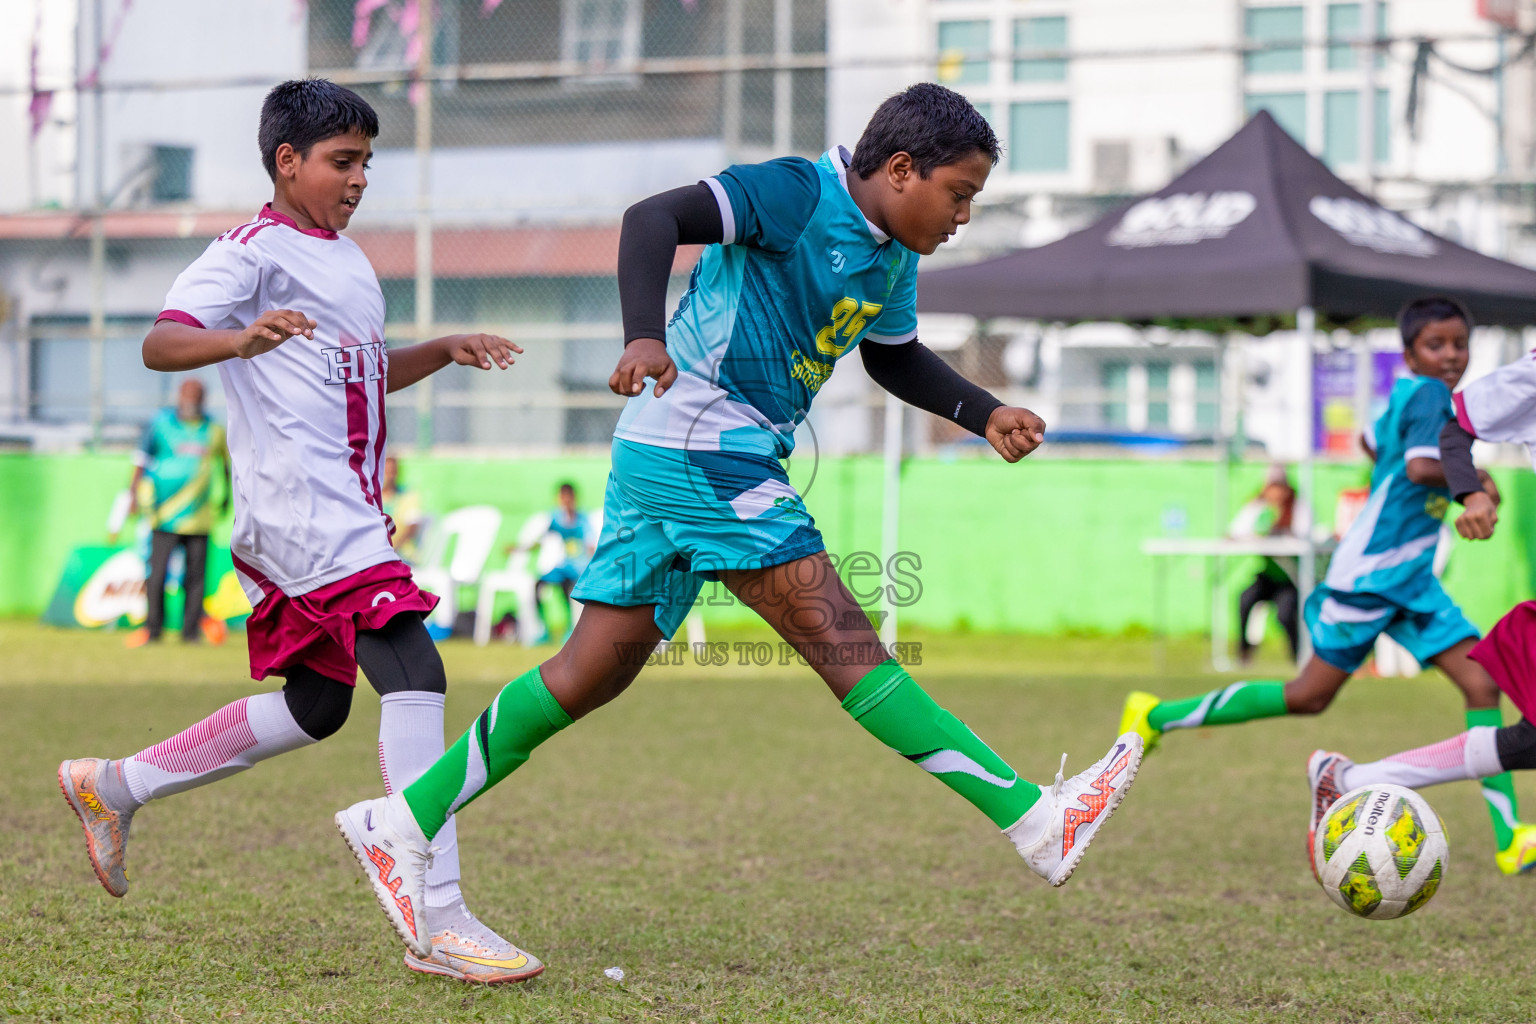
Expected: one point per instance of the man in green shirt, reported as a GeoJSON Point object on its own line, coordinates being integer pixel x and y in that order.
{"type": "Point", "coordinates": [176, 459]}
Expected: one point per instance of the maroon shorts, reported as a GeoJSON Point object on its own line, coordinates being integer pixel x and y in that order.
{"type": "Point", "coordinates": [319, 629]}
{"type": "Point", "coordinates": [1508, 652]}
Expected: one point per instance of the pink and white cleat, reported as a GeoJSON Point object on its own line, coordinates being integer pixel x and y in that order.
{"type": "Point", "coordinates": [1325, 770]}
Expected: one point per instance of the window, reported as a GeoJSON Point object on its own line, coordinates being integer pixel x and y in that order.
{"type": "Point", "coordinates": [985, 110]}
{"type": "Point", "coordinates": [1341, 126]}
{"type": "Point", "coordinates": [387, 45]}
{"type": "Point", "coordinates": [1276, 34]}
{"type": "Point", "coordinates": [1383, 126]}
{"type": "Point", "coordinates": [1038, 136]}
{"type": "Point", "coordinates": [172, 167]}
{"type": "Point", "coordinates": [1157, 395]}
{"type": "Point", "coordinates": [1344, 23]}
{"type": "Point", "coordinates": [1114, 378]}
{"type": "Point", "coordinates": [963, 50]}
{"type": "Point", "coordinates": [1207, 397]}
{"type": "Point", "coordinates": [603, 34]}
{"type": "Point", "coordinates": [1040, 34]}
{"type": "Point", "coordinates": [1288, 108]}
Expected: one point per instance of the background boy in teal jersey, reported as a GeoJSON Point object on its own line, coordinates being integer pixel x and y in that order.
{"type": "Point", "coordinates": [805, 261]}
{"type": "Point", "coordinates": [177, 457]}
{"type": "Point", "coordinates": [1381, 578]}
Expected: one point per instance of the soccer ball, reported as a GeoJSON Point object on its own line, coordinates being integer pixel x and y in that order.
{"type": "Point", "coordinates": [1380, 852]}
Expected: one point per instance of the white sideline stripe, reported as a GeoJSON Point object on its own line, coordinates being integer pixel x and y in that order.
{"type": "Point", "coordinates": [1194, 718]}
{"type": "Point", "coordinates": [474, 776]}
{"type": "Point", "coordinates": [1499, 802]}
{"type": "Point", "coordinates": [947, 761]}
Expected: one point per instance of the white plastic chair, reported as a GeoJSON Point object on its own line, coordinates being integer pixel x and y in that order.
{"type": "Point", "coordinates": [536, 552]}
{"type": "Point", "coordinates": [469, 533]}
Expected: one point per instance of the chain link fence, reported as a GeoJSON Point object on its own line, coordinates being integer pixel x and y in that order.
{"type": "Point", "coordinates": [510, 146]}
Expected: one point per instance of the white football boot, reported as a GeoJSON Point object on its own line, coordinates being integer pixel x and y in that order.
{"type": "Point", "coordinates": [1054, 834]}
{"type": "Point", "coordinates": [394, 854]}
{"type": "Point", "coordinates": [464, 948]}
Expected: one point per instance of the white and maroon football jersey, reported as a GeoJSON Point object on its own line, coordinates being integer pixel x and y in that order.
{"type": "Point", "coordinates": [1502, 405]}
{"type": "Point", "coordinates": [306, 419]}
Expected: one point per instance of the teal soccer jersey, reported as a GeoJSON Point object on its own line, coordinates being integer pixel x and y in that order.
{"type": "Point", "coordinates": [178, 459]}
{"type": "Point", "coordinates": [1382, 578]}
{"type": "Point", "coordinates": [1390, 547]}
{"type": "Point", "coordinates": [799, 281]}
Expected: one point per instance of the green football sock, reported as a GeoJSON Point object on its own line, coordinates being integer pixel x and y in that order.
{"type": "Point", "coordinates": [1498, 790]}
{"type": "Point", "coordinates": [523, 715]}
{"type": "Point", "coordinates": [898, 713]}
{"type": "Point", "coordinates": [1240, 702]}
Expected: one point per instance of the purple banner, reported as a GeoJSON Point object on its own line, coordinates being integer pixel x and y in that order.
{"type": "Point", "coordinates": [1335, 424]}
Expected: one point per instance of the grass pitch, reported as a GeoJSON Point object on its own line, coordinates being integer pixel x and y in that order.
{"type": "Point", "coordinates": [745, 853]}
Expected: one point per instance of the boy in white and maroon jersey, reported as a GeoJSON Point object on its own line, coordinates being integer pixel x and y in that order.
{"type": "Point", "coordinates": [292, 314]}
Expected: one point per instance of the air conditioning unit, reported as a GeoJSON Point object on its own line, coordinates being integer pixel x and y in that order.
{"type": "Point", "coordinates": [1134, 165]}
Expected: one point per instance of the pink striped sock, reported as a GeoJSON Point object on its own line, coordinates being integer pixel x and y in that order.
{"type": "Point", "coordinates": [1464, 756]}
{"type": "Point", "coordinates": [230, 740]}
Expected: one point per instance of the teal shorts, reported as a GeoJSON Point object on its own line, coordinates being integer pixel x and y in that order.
{"type": "Point", "coordinates": [1344, 626]}
{"type": "Point", "coordinates": [673, 518]}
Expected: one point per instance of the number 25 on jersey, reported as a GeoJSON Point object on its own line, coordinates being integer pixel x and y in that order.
{"type": "Point", "coordinates": [849, 316]}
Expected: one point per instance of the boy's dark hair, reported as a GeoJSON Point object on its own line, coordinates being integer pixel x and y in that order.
{"type": "Point", "coordinates": [932, 124]}
{"type": "Point", "coordinates": [1420, 313]}
{"type": "Point", "coordinates": [305, 111]}
{"type": "Point", "coordinates": [566, 486]}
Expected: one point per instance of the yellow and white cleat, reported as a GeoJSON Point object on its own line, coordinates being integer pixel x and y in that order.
{"type": "Point", "coordinates": [1139, 705]}
{"type": "Point", "coordinates": [1520, 855]}
{"type": "Point", "coordinates": [465, 949]}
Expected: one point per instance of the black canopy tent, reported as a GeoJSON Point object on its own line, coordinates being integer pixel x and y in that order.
{"type": "Point", "coordinates": [1259, 227]}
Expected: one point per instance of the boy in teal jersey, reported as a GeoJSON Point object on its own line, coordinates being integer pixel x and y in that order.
{"type": "Point", "coordinates": [177, 457]}
{"type": "Point", "coordinates": [1381, 578]}
{"type": "Point", "coordinates": [569, 526]}
{"type": "Point", "coordinates": [805, 262]}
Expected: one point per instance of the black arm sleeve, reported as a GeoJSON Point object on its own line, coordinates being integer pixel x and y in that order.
{"type": "Point", "coordinates": [653, 229]}
{"type": "Point", "coordinates": [1456, 460]}
{"type": "Point", "coordinates": [913, 373]}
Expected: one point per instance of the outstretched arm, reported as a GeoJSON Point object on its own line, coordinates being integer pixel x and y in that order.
{"type": "Point", "coordinates": [916, 375]}
{"type": "Point", "coordinates": [653, 229]}
{"type": "Point", "coordinates": [171, 345]}
{"type": "Point", "coordinates": [414, 362]}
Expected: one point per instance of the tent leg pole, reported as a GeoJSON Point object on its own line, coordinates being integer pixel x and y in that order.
{"type": "Point", "coordinates": [1306, 327]}
{"type": "Point", "coordinates": [1221, 660]}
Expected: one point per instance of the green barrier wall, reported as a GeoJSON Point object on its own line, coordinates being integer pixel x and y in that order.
{"type": "Point", "coordinates": [1046, 546]}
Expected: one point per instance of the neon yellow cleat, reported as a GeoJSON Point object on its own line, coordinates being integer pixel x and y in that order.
{"type": "Point", "coordinates": [1520, 855]}
{"type": "Point", "coordinates": [1138, 705]}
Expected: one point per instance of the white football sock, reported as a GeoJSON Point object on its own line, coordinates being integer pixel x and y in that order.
{"type": "Point", "coordinates": [410, 742]}
{"type": "Point", "coordinates": [230, 740]}
{"type": "Point", "coordinates": [1470, 755]}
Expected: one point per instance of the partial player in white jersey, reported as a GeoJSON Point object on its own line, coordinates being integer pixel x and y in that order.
{"type": "Point", "coordinates": [292, 314]}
